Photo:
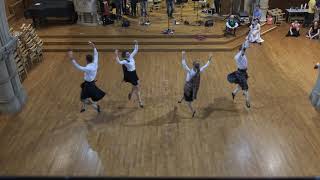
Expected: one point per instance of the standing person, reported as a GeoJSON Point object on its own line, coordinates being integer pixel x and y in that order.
{"type": "Point", "coordinates": [240, 76]}
{"type": "Point", "coordinates": [317, 10]}
{"type": "Point", "coordinates": [310, 15]}
{"type": "Point", "coordinates": [129, 69]}
{"type": "Point", "coordinates": [192, 83]}
{"type": "Point", "coordinates": [315, 94]}
{"type": "Point", "coordinates": [118, 6]}
{"type": "Point", "coordinates": [133, 4]}
{"type": "Point", "coordinates": [170, 8]}
{"type": "Point", "coordinates": [255, 32]}
{"type": "Point", "coordinates": [217, 4]}
{"type": "Point", "coordinates": [124, 7]}
{"type": "Point", "coordinates": [257, 13]}
{"type": "Point", "coordinates": [88, 87]}
{"type": "Point", "coordinates": [144, 11]}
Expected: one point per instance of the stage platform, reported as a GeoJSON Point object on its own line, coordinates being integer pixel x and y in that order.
{"type": "Point", "coordinates": [58, 37]}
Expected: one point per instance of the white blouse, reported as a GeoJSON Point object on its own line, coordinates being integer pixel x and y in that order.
{"type": "Point", "coordinates": [90, 70]}
{"type": "Point", "coordinates": [130, 62]}
{"type": "Point", "coordinates": [192, 72]}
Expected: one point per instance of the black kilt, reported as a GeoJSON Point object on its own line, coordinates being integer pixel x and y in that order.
{"type": "Point", "coordinates": [130, 76]}
{"type": "Point", "coordinates": [90, 90]}
{"type": "Point", "coordinates": [239, 77]}
{"type": "Point", "coordinates": [188, 98]}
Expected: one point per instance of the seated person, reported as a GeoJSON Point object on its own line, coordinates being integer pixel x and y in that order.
{"type": "Point", "coordinates": [314, 31]}
{"type": "Point", "coordinates": [255, 32]}
{"type": "Point", "coordinates": [231, 25]}
{"type": "Point", "coordinates": [294, 29]}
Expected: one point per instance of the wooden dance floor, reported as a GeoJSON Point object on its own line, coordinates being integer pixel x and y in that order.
{"type": "Point", "coordinates": [278, 136]}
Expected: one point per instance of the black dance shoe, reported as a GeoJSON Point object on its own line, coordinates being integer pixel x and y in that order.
{"type": "Point", "coordinates": [233, 95]}
{"type": "Point", "coordinates": [193, 114]}
{"type": "Point", "coordinates": [98, 109]}
{"type": "Point", "coordinates": [82, 110]}
{"type": "Point", "coordinates": [129, 96]}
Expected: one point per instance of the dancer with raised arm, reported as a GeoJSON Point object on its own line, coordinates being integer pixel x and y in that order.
{"type": "Point", "coordinates": [129, 71]}
{"type": "Point", "coordinates": [315, 94]}
{"type": "Point", "coordinates": [88, 87]}
{"type": "Point", "coordinates": [240, 76]}
{"type": "Point", "coordinates": [192, 83]}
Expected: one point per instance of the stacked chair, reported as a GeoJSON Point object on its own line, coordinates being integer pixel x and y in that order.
{"type": "Point", "coordinates": [29, 50]}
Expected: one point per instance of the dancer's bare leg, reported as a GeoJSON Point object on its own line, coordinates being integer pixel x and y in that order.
{"type": "Point", "coordinates": [85, 102]}
{"type": "Point", "coordinates": [181, 99]}
{"type": "Point", "coordinates": [132, 91]}
{"type": "Point", "coordinates": [95, 105]}
{"type": "Point", "coordinates": [235, 91]}
{"type": "Point", "coordinates": [191, 108]}
{"type": "Point", "coordinates": [246, 94]}
{"type": "Point", "coordinates": [137, 90]}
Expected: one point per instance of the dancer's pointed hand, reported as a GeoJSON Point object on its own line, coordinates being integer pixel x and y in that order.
{"type": "Point", "coordinates": [116, 52]}
{"type": "Point", "coordinates": [210, 57]}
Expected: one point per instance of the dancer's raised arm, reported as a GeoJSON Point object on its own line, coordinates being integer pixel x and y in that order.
{"type": "Point", "coordinates": [116, 53]}
{"type": "Point", "coordinates": [74, 62]}
{"type": "Point", "coordinates": [206, 65]}
{"type": "Point", "coordinates": [136, 48]}
{"type": "Point", "coordinates": [184, 64]}
{"type": "Point", "coordinates": [95, 52]}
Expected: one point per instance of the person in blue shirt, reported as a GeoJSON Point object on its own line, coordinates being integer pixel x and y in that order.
{"type": "Point", "coordinates": [257, 13]}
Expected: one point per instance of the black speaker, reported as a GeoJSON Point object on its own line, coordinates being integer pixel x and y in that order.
{"type": "Point", "coordinates": [107, 20]}
{"type": "Point", "coordinates": [208, 23]}
{"type": "Point", "coordinates": [125, 23]}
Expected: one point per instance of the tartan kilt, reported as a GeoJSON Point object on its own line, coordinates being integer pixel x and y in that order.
{"type": "Point", "coordinates": [90, 90]}
{"type": "Point", "coordinates": [239, 77]}
{"type": "Point", "coordinates": [188, 92]}
{"type": "Point", "coordinates": [130, 76]}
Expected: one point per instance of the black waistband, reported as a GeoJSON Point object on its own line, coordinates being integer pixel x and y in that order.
{"type": "Point", "coordinates": [242, 70]}
{"type": "Point", "coordinates": [90, 81]}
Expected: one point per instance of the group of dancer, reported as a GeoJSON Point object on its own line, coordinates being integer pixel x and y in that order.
{"type": "Point", "coordinates": [91, 94]}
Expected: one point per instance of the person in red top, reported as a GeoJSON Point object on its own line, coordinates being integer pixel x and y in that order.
{"type": "Point", "coordinates": [294, 29]}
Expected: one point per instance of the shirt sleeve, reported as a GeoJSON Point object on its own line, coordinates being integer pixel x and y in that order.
{"type": "Point", "coordinates": [135, 51]}
{"type": "Point", "coordinates": [236, 25]}
{"type": "Point", "coordinates": [204, 67]}
{"type": "Point", "coordinates": [120, 62]}
{"type": "Point", "coordinates": [81, 68]}
{"type": "Point", "coordinates": [95, 56]}
{"type": "Point", "coordinates": [227, 24]}
{"type": "Point", "coordinates": [184, 65]}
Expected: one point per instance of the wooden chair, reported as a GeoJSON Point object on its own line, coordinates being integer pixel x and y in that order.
{"type": "Point", "coordinates": [22, 71]}
{"type": "Point", "coordinates": [278, 16]}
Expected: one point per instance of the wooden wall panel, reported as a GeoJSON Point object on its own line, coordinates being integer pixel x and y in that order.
{"type": "Point", "coordinates": [15, 8]}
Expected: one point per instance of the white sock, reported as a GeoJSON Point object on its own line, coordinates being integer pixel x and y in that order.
{"type": "Point", "coordinates": [236, 90]}
{"type": "Point", "coordinates": [246, 93]}
{"type": "Point", "coordinates": [85, 103]}
{"type": "Point", "coordinates": [94, 105]}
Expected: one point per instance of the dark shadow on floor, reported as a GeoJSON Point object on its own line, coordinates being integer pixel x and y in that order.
{"type": "Point", "coordinates": [221, 107]}
{"type": "Point", "coordinates": [169, 118]}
